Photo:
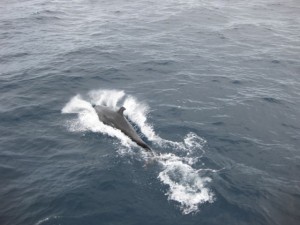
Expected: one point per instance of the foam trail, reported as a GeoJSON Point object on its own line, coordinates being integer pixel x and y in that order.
{"type": "Point", "coordinates": [186, 186]}
{"type": "Point", "coordinates": [185, 183]}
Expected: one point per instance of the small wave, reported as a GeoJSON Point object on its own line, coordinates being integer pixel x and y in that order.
{"type": "Point", "coordinates": [236, 82]}
{"type": "Point", "coordinates": [271, 100]}
{"type": "Point", "coordinates": [47, 220]}
{"type": "Point", "coordinates": [185, 183]}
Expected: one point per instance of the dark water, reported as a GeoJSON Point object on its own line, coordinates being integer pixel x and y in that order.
{"type": "Point", "coordinates": [212, 86]}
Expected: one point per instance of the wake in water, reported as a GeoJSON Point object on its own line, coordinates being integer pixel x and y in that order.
{"type": "Point", "coordinates": [185, 185]}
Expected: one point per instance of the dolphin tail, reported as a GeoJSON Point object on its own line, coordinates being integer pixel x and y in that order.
{"type": "Point", "coordinates": [145, 146]}
{"type": "Point", "coordinates": [149, 150]}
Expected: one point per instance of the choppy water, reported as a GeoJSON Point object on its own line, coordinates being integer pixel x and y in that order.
{"type": "Point", "coordinates": [212, 86]}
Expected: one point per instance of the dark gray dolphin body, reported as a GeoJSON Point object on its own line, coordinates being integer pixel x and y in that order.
{"type": "Point", "coordinates": [117, 120]}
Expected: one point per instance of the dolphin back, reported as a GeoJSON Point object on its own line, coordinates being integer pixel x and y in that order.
{"type": "Point", "coordinates": [117, 120]}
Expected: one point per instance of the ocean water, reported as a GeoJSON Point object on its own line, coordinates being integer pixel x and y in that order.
{"type": "Point", "coordinates": [213, 87]}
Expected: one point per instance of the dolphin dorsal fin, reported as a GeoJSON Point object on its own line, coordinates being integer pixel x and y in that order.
{"type": "Point", "coordinates": [121, 110]}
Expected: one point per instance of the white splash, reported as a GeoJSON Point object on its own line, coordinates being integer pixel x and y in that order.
{"type": "Point", "coordinates": [137, 112]}
{"type": "Point", "coordinates": [109, 98]}
{"type": "Point", "coordinates": [185, 184]}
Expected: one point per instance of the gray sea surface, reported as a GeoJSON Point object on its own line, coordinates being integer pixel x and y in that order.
{"type": "Point", "coordinates": [213, 87]}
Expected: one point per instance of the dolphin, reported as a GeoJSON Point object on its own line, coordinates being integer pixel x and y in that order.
{"type": "Point", "coordinates": [117, 120]}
